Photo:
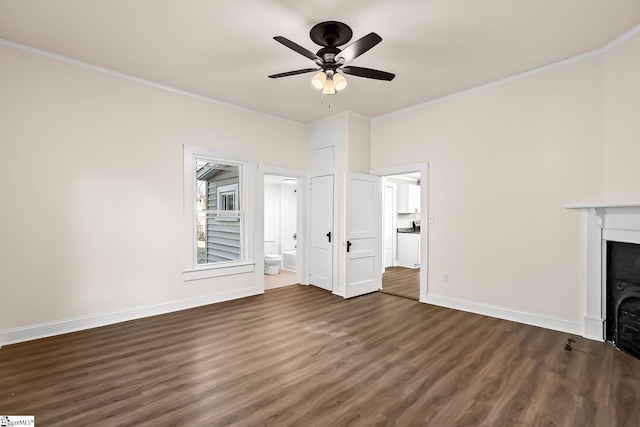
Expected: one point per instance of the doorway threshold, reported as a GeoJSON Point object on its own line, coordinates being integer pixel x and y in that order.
{"type": "Point", "coordinates": [395, 294]}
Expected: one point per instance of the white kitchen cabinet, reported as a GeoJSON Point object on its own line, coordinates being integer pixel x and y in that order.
{"type": "Point", "coordinates": [409, 250]}
{"type": "Point", "coordinates": [414, 198]}
{"type": "Point", "coordinates": [408, 198]}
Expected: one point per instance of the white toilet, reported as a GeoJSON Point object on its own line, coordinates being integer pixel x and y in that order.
{"type": "Point", "coordinates": [271, 259]}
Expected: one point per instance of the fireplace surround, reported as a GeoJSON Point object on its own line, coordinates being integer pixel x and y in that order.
{"type": "Point", "coordinates": [602, 223]}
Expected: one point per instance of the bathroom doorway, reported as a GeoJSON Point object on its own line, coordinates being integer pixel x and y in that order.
{"type": "Point", "coordinates": [281, 230]}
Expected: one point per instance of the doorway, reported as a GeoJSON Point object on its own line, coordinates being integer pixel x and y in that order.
{"type": "Point", "coordinates": [404, 249]}
{"type": "Point", "coordinates": [280, 231]}
{"type": "Point", "coordinates": [280, 262]}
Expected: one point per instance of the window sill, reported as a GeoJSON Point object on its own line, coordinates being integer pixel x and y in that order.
{"type": "Point", "coordinates": [206, 273]}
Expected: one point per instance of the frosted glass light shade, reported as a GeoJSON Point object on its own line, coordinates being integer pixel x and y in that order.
{"type": "Point", "coordinates": [318, 80]}
{"type": "Point", "coordinates": [329, 88]}
{"type": "Point", "coordinates": [339, 81]}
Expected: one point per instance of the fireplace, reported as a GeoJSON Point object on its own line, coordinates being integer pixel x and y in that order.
{"type": "Point", "coordinates": [623, 296]}
{"type": "Point", "coordinates": [610, 267]}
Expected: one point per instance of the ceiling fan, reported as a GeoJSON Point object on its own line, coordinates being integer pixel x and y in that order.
{"type": "Point", "coordinates": [330, 59]}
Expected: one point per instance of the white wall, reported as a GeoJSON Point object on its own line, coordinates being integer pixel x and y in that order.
{"type": "Point", "coordinates": [272, 215]}
{"type": "Point", "coordinates": [359, 144]}
{"type": "Point", "coordinates": [91, 184]}
{"type": "Point", "coordinates": [289, 216]}
{"type": "Point", "coordinates": [502, 163]}
{"type": "Point", "coordinates": [622, 122]}
{"type": "Point", "coordinates": [280, 215]}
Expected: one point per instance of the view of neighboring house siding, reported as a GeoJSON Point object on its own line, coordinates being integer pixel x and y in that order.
{"type": "Point", "coordinates": [223, 237]}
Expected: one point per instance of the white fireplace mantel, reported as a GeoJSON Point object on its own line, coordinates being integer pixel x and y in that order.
{"type": "Point", "coordinates": [602, 222]}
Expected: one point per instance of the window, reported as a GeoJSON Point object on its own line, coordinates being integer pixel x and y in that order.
{"type": "Point", "coordinates": [227, 196]}
{"type": "Point", "coordinates": [217, 188]}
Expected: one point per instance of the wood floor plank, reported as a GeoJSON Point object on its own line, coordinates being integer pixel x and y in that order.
{"type": "Point", "coordinates": [301, 356]}
{"type": "Point", "coordinates": [402, 281]}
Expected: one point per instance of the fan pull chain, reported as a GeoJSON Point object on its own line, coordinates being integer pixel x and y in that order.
{"type": "Point", "coordinates": [322, 99]}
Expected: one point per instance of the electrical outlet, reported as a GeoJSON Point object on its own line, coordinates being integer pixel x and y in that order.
{"type": "Point", "coordinates": [445, 276]}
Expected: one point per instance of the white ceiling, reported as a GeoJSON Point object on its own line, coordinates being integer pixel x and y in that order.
{"type": "Point", "coordinates": [225, 49]}
{"type": "Point", "coordinates": [279, 180]}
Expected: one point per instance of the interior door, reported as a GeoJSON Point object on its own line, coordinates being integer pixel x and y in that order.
{"type": "Point", "coordinates": [322, 235]}
{"type": "Point", "coordinates": [363, 271]}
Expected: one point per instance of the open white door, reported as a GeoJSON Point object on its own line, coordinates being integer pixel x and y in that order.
{"type": "Point", "coordinates": [321, 232]}
{"type": "Point", "coordinates": [363, 232]}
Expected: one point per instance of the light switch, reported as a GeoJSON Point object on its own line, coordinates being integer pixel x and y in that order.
{"type": "Point", "coordinates": [431, 220]}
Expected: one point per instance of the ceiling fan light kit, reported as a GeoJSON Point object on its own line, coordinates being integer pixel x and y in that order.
{"type": "Point", "coordinates": [340, 82]}
{"type": "Point", "coordinates": [329, 82]}
{"type": "Point", "coordinates": [319, 80]}
{"type": "Point", "coordinates": [329, 88]}
{"type": "Point", "coordinates": [330, 59]}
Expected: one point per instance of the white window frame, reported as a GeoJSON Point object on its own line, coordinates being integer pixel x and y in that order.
{"type": "Point", "coordinates": [246, 264]}
{"type": "Point", "coordinates": [223, 191]}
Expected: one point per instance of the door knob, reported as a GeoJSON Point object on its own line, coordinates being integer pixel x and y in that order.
{"type": "Point", "coordinates": [329, 236]}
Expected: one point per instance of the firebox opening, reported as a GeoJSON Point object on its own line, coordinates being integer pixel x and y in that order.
{"type": "Point", "coordinates": [623, 296]}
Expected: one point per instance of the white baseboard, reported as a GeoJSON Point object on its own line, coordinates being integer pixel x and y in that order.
{"type": "Point", "coordinates": [43, 330]}
{"type": "Point", "coordinates": [549, 322]}
{"type": "Point", "coordinates": [594, 328]}
{"type": "Point", "coordinates": [31, 332]}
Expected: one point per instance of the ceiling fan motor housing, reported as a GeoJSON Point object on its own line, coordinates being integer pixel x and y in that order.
{"type": "Point", "coordinates": [328, 55]}
{"type": "Point", "coordinates": [331, 34]}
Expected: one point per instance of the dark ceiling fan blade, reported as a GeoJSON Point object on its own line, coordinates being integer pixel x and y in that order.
{"type": "Point", "coordinates": [293, 73]}
{"type": "Point", "coordinates": [368, 73]}
{"type": "Point", "coordinates": [294, 46]}
{"type": "Point", "coordinates": [360, 46]}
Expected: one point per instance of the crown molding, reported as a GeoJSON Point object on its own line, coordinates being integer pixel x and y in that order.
{"type": "Point", "coordinates": [578, 58]}
{"type": "Point", "coordinates": [118, 74]}
{"type": "Point", "coordinates": [621, 39]}
{"type": "Point", "coordinates": [572, 60]}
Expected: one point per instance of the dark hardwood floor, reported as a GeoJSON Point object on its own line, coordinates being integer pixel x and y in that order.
{"type": "Point", "coordinates": [402, 281]}
{"type": "Point", "coordinates": [301, 356]}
